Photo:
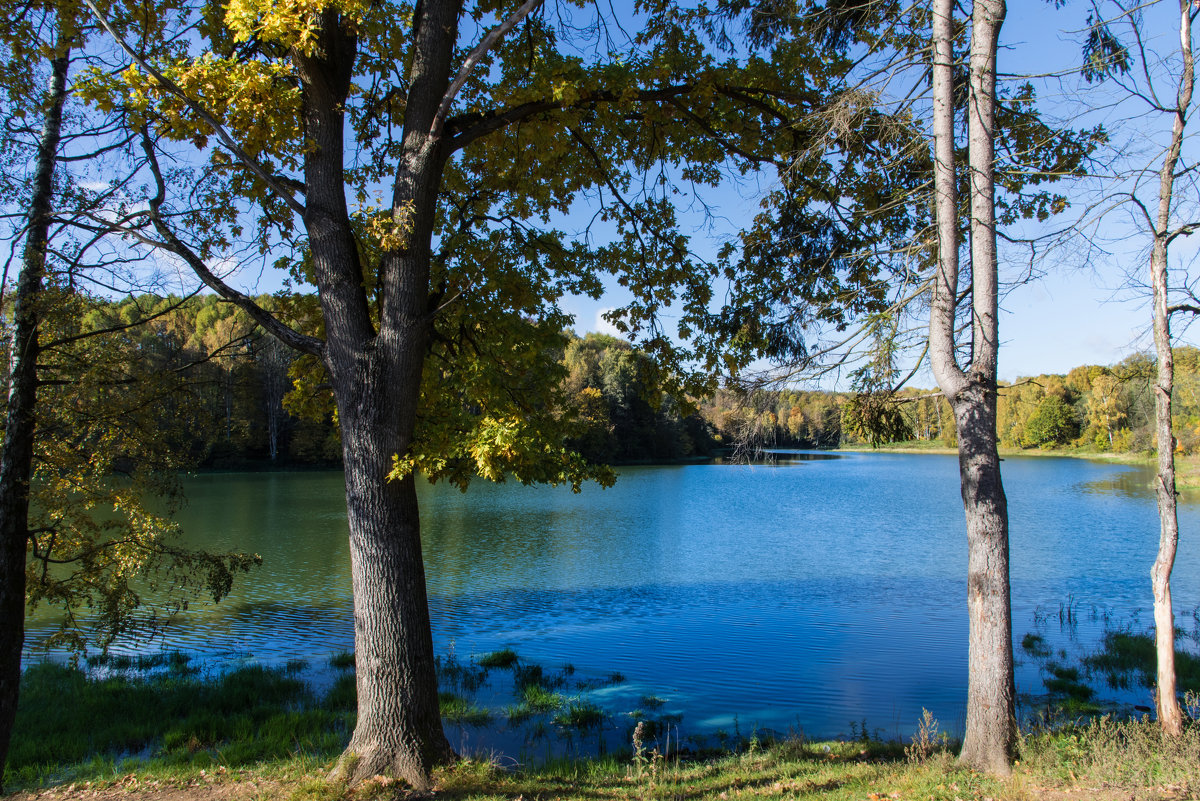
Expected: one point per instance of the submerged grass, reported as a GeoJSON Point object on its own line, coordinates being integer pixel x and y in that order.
{"type": "Point", "coordinates": [342, 660]}
{"type": "Point", "coordinates": [462, 711]}
{"type": "Point", "coordinates": [265, 734]}
{"type": "Point", "coordinates": [581, 715]}
{"type": "Point", "coordinates": [537, 698]}
{"type": "Point", "coordinates": [1125, 657]}
{"type": "Point", "coordinates": [502, 659]}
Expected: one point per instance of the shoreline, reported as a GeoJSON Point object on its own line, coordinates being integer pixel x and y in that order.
{"type": "Point", "coordinates": [941, 450]}
{"type": "Point", "coordinates": [1187, 467]}
{"type": "Point", "coordinates": [283, 744]}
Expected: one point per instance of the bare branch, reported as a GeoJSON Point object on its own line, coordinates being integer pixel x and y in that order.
{"type": "Point", "coordinates": [473, 58]}
{"type": "Point", "coordinates": [172, 243]}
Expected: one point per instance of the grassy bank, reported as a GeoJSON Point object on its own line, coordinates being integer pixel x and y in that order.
{"type": "Point", "coordinates": [1187, 467]}
{"type": "Point", "coordinates": [163, 730]}
{"type": "Point", "coordinates": [1105, 761]}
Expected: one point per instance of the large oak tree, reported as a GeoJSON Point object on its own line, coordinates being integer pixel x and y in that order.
{"type": "Point", "coordinates": [443, 173]}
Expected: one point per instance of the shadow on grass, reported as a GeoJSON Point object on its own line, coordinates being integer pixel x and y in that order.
{"type": "Point", "coordinates": [71, 725]}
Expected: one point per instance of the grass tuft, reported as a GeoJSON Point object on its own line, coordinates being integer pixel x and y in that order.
{"type": "Point", "coordinates": [465, 678]}
{"type": "Point", "coordinates": [502, 659]}
{"type": "Point", "coordinates": [581, 715]}
{"type": "Point", "coordinates": [1035, 645]}
{"type": "Point", "coordinates": [541, 699]}
{"type": "Point", "coordinates": [342, 660]}
{"type": "Point", "coordinates": [461, 711]}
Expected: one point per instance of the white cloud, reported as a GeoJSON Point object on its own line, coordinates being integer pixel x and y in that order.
{"type": "Point", "coordinates": [603, 326]}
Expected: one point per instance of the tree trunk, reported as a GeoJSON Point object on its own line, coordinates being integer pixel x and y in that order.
{"type": "Point", "coordinates": [274, 359]}
{"type": "Point", "coordinates": [399, 728]}
{"type": "Point", "coordinates": [991, 715]}
{"type": "Point", "coordinates": [1170, 716]}
{"type": "Point", "coordinates": [16, 460]}
{"type": "Point", "coordinates": [376, 378]}
{"type": "Point", "coordinates": [991, 692]}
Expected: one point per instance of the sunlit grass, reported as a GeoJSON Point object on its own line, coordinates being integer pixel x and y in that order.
{"type": "Point", "coordinates": [265, 729]}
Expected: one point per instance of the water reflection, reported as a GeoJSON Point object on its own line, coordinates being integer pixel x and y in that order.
{"type": "Point", "coordinates": [1128, 481]}
{"type": "Point", "coordinates": [774, 456]}
{"type": "Point", "coordinates": [819, 590]}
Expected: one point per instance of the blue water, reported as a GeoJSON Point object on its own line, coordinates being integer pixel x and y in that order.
{"type": "Point", "coordinates": [805, 595]}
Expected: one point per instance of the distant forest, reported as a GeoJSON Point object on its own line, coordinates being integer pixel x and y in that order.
{"type": "Point", "coordinates": [237, 404]}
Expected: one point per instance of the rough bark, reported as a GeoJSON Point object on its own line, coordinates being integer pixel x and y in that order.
{"type": "Point", "coordinates": [376, 376]}
{"type": "Point", "coordinates": [1170, 715]}
{"type": "Point", "coordinates": [16, 458]}
{"type": "Point", "coordinates": [991, 722]}
{"type": "Point", "coordinates": [399, 729]}
{"type": "Point", "coordinates": [991, 693]}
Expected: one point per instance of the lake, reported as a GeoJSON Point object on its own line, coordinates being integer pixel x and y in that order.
{"type": "Point", "coordinates": [809, 594]}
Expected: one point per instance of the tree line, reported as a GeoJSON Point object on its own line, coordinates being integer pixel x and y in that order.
{"type": "Point", "coordinates": [238, 404]}
{"type": "Point", "coordinates": [242, 400]}
{"type": "Point", "coordinates": [1091, 409]}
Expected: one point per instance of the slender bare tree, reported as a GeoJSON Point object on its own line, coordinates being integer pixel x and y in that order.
{"type": "Point", "coordinates": [971, 390]}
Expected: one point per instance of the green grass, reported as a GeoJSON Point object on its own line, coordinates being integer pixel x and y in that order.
{"type": "Point", "coordinates": [69, 724]}
{"type": "Point", "coordinates": [171, 661]}
{"type": "Point", "coordinates": [342, 660]}
{"type": "Point", "coordinates": [1111, 751]}
{"type": "Point", "coordinates": [462, 711]}
{"type": "Point", "coordinates": [1066, 681]}
{"type": "Point", "coordinates": [1104, 759]}
{"type": "Point", "coordinates": [581, 715]}
{"type": "Point", "coordinates": [537, 698]}
{"type": "Point", "coordinates": [787, 771]}
{"type": "Point", "coordinates": [525, 676]}
{"type": "Point", "coordinates": [265, 725]}
{"type": "Point", "coordinates": [502, 659]}
{"type": "Point", "coordinates": [1035, 646]}
{"type": "Point", "coordinates": [1125, 657]}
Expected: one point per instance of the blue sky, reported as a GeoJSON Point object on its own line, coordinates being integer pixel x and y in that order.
{"type": "Point", "coordinates": [1082, 310]}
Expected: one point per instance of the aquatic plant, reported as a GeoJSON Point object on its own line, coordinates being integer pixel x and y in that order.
{"type": "Point", "coordinates": [342, 660]}
{"type": "Point", "coordinates": [461, 677]}
{"type": "Point", "coordinates": [1125, 656]}
{"type": "Point", "coordinates": [504, 658]}
{"type": "Point", "coordinates": [581, 715]}
{"type": "Point", "coordinates": [461, 711]}
{"type": "Point", "coordinates": [540, 699]}
{"type": "Point", "coordinates": [1035, 645]}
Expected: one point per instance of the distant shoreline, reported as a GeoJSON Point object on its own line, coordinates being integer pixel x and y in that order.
{"type": "Point", "coordinates": [1187, 468]}
{"type": "Point", "coordinates": [1119, 458]}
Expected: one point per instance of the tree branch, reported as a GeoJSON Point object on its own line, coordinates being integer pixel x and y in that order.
{"type": "Point", "coordinates": [276, 183]}
{"type": "Point", "coordinates": [473, 58]}
{"type": "Point", "coordinates": [172, 243]}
